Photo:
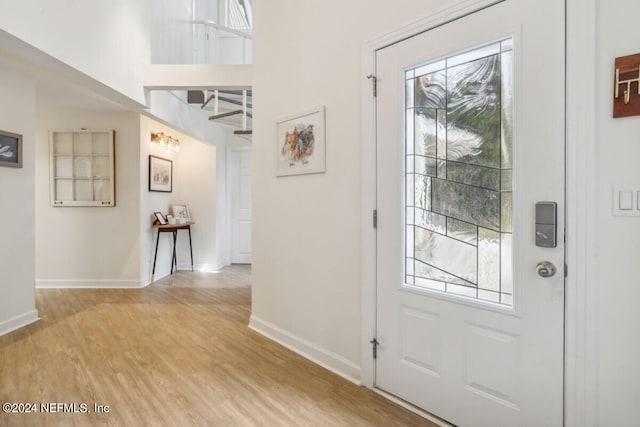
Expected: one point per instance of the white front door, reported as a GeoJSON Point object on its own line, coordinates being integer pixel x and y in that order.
{"type": "Point", "coordinates": [240, 168]}
{"type": "Point", "coordinates": [470, 136]}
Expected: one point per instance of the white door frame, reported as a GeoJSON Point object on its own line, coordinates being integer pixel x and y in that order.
{"type": "Point", "coordinates": [581, 203]}
{"type": "Point", "coordinates": [580, 395]}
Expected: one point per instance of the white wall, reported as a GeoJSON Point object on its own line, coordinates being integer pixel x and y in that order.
{"type": "Point", "coordinates": [617, 239]}
{"type": "Point", "coordinates": [306, 273]}
{"type": "Point", "coordinates": [17, 206]}
{"type": "Point", "coordinates": [114, 247]}
{"type": "Point", "coordinates": [197, 187]}
{"type": "Point", "coordinates": [171, 32]}
{"type": "Point", "coordinates": [89, 246]}
{"type": "Point", "coordinates": [108, 41]}
{"type": "Point", "coordinates": [194, 174]}
{"type": "Point", "coordinates": [151, 202]}
{"type": "Point", "coordinates": [306, 242]}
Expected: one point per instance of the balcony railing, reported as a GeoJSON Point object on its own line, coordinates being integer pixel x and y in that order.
{"type": "Point", "coordinates": [218, 44]}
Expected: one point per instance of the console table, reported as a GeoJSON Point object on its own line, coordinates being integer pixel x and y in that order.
{"type": "Point", "coordinates": [172, 228]}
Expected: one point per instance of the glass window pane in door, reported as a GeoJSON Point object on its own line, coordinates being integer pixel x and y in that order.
{"type": "Point", "coordinates": [458, 148]}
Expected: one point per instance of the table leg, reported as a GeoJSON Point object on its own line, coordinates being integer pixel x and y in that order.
{"type": "Point", "coordinates": [175, 250]}
{"type": "Point", "coordinates": [174, 260]}
{"type": "Point", "coordinates": [155, 257]}
{"type": "Point", "coordinates": [190, 247]}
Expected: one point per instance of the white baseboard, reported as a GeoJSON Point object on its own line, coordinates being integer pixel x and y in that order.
{"type": "Point", "coordinates": [220, 267]}
{"type": "Point", "coordinates": [90, 283]}
{"type": "Point", "coordinates": [325, 358]}
{"type": "Point", "coordinates": [18, 322]}
{"type": "Point", "coordinates": [205, 268]}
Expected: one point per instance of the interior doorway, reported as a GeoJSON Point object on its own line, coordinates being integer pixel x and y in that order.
{"type": "Point", "coordinates": [239, 184]}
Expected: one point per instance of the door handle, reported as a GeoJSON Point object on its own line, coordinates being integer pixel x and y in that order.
{"type": "Point", "coordinates": [545, 269]}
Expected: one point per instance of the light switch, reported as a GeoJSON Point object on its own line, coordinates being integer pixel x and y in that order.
{"type": "Point", "coordinates": [626, 200]}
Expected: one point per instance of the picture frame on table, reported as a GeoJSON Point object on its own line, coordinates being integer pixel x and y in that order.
{"type": "Point", "coordinates": [160, 219]}
{"type": "Point", "coordinates": [181, 213]}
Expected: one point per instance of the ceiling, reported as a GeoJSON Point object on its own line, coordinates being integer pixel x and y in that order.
{"type": "Point", "coordinates": [56, 83]}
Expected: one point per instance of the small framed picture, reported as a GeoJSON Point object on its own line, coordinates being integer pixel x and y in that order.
{"type": "Point", "coordinates": [160, 219]}
{"type": "Point", "coordinates": [181, 213]}
{"type": "Point", "coordinates": [160, 174]}
{"type": "Point", "coordinates": [301, 142]}
{"type": "Point", "coordinates": [10, 149]}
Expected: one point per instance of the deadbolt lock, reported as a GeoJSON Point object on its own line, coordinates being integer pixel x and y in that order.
{"type": "Point", "coordinates": [546, 224]}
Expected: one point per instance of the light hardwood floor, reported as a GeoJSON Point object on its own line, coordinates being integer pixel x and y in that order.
{"type": "Point", "coordinates": [176, 355]}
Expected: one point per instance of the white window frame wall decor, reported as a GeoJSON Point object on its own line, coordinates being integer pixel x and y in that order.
{"type": "Point", "coordinates": [82, 168]}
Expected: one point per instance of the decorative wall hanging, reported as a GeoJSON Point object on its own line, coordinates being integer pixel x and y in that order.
{"type": "Point", "coordinates": [300, 142]}
{"type": "Point", "coordinates": [160, 174]}
{"type": "Point", "coordinates": [10, 149]}
{"type": "Point", "coordinates": [82, 168]}
{"type": "Point", "coordinates": [626, 91]}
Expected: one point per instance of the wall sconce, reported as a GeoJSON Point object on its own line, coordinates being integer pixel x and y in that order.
{"type": "Point", "coordinates": [166, 141]}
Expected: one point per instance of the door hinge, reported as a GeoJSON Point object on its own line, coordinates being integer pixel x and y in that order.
{"type": "Point", "coordinates": [374, 343]}
{"type": "Point", "coordinates": [375, 218]}
{"type": "Point", "coordinates": [566, 270]}
{"type": "Point", "coordinates": [374, 82]}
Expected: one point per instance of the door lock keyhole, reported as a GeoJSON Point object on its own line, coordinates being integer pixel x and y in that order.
{"type": "Point", "coordinates": [545, 269]}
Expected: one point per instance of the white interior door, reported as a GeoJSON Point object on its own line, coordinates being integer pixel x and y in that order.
{"type": "Point", "coordinates": [240, 165]}
{"type": "Point", "coordinates": [470, 136]}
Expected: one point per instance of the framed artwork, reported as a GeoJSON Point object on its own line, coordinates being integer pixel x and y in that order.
{"type": "Point", "coordinates": [181, 212]}
{"type": "Point", "coordinates": [160, 219]}
{"type": "Point", "coordinates": [300, 143]}
{"type": "Point", "coordinates": [160, 174]}
{"type": "Point", "coordinates": [10, 149]}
